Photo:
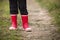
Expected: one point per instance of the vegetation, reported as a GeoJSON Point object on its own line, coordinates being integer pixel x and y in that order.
{"type": "Point", "coordinates": [53, 7]}
{"type": "Point", "coordinates": [5, 33]}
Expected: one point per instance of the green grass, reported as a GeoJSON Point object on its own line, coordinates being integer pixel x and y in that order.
{"type": "Point", "coordinates": [5, 33]}
{"type": "Point", "coordinates": [53, 7]}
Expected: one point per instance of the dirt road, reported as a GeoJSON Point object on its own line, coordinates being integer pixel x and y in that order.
{"type": "Point", "coordinates": [40, 22]}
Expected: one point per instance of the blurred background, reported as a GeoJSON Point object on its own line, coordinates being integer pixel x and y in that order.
{"type": "Point", "coordinates": [53, 6]}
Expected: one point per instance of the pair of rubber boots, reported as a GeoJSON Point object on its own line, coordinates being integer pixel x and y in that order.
{"type": "Point", "coordinates": [24, 22]}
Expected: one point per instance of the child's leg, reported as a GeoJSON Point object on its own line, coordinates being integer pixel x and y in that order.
{"type": "Point", "coordinates": [24, 14]}
{"type": "Point", "coordinates": [13, 13]}
{"type": "Point", "coordinates": [23, 7]}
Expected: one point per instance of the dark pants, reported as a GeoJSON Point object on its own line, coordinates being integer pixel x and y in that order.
{"type": "Point", "coordinates": [18, 4]}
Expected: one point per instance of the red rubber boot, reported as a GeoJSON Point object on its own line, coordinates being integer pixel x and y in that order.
{"type": "Point", "coordinates": [25, 23]}
{"type": "Point", "coordinates": [14, 22]}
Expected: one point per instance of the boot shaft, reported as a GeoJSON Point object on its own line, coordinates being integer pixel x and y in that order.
{"type": "Point", "coordinates": [25, 21]}
{"type": "Point", "coordinates": [14, 20]}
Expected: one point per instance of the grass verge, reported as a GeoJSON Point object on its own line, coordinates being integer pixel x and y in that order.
{"type": "Point", "coordinates": [5, 33]}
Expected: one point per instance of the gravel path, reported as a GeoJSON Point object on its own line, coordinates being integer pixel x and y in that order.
{"type": "Point", "coordinates": [40, 22]}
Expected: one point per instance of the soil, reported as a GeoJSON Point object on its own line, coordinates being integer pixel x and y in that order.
{"type": "Point", "coordinates": [41, 23]}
